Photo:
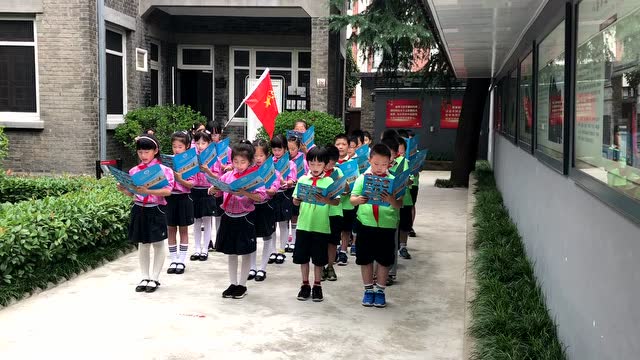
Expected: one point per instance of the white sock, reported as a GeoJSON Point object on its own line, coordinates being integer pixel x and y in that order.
{"type": "Point", "coordinates": [216, 220]}
{"type": "Point", "coordinates": [159, 255]}
{"type": "Point", "coordinates": [294, 226]}
{"type": "Point", "coordinates": [266, 252]}
{"type": "Point", "coordinates": [233, 269]}
{"type": "Point", "coordinates": [284, 233]}
{"type": "Point", "coordinates": [173, 253]}
{"type": "Point", "coordinates": [244, 270]}
{"type": "Point", "coordinates": [183, 252]}
{"type": "Point", "coordinates": [197, 235]}
{"type": "Point", "coordinates": [206, 237]}
{"type": "Point", "coordinates": [144, 257]}
{"type": "Point", "coordinates": [253, 259]}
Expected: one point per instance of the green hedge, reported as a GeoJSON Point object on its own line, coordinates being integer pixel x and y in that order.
{"type": "Point", "coordinates": [14, 189]}
{"type": "Point", "coordinates": [509, 316]}
{"type": "Point", "coordinates": [326, 126]}
{"type": "Point", "coordinates": [41, 233]}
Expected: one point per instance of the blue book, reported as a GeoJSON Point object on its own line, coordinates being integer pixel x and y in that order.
{"type": "Point", "coordinates": [282, 166]}
{"type": "Point", "coordinates": [268, 172]}
{"type": "Point", "coordinates": [374, 186]}
{"type": "Point", "coordinates": [124, 179]}
{"type": "Point", "coordinates": [412, 145]}
{"type": "Point", "coordinates": [400, 184]}
{"type": "Point", "coordinates": [222, 149]}
{"type": "Point", "coordinates": [363, 151]}
{"type": "Point", "coordinates": [306, 138]}
{"type": "Point", "coordinates": [152, 178]}
{"type": "Point", "coordinates": [249, 182]}
{"type": "Point", "coordinates": [417, 161]}
{"type": "Point", "coordinates": [363, 164]}
{"type": "Point", "coordinates": [400, 167]}
{"type": "Point", "coordinates": [307, 193]}
{"type": "Point", "coordinates": [167, 160]}
{"type": "Point", "coordinates": [299, 161]}
{"type": "Point", "coordinates": [336, 188]}
{"type": "Point", "coordinates": [186, 163]}
{"type": "Point", "coordinates": [209, 155]}
{"type": "Point", "coordinates": [350, 173]}
{"type": "Point", "coordinates": [219, 184]}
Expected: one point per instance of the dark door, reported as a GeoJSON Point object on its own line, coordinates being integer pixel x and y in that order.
{"type": "Point", "coordinates": [196, 90]}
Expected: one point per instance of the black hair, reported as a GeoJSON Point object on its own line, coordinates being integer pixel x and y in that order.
{"type": "Point", "coordinates": [183, 137]}
{"type": "Point", "coordinates": [300, 121]}
{"type": "Point", "coordinates": [392, 143]}
{"type": "Point", "coordinates": [318, 153]}
{"type": "Point", "coordinates": [195, 127]}
{"type": "Point", "coordinates": [410, 133]}
{"type": "Point", "coordinates": [202, 135]}
{"type": "Point", "coordinates": [401, 141]}
{"type": "Point", "coordinates": [354, 139]}
{"type": "Point", "coordinates": [389, 133]}
{"type": "Point", "coordinates": [367, 135]}
{"type": "Point", "coordinates": [214, 127]}
{"type": "Point", "coordinates": [244, 150]}
{"type": "Point", "coordinates": [148, 142]}
{"type": "Point", "coordinates": [262, 144]}
{"type": "Point", "coordinates": [279, 142]}
{"type": "Point", "coordinates": [295, 139]}
{"type": "Point", "coordinates": [404, 133]}
{"type": "Point", "coordinates": [245, 141]}
{"type": "Point", "coordinates": [359, 134]}
{"type": "Point", "coordinates": [149, 129]}
{"type": "Point", "coordinates": [341, 136]}
{"type": "Point", "coordinates": [380, 149]}
{"type": "Point", "coordinates": [333, 152]}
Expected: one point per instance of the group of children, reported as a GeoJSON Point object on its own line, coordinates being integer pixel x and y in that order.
{"type": "Point", "coordinates": [319, 234]}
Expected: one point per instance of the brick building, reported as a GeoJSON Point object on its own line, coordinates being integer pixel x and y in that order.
{"type": "Point", "coordinates": [200, 53]}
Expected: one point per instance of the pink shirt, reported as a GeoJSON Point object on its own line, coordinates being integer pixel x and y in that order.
{"type": "Point", "coordinates": [181, 189]}
{"type": "Point", "coordinates": [306, 165]}
{"type": "Point", "coordinates": [275, 186]}
{"type": "Point", "coordinates": [233, 204]}
{"type": "Point", "coordinates": [153, 199]}
{"type": "Point", "coordinates": [292, 171]}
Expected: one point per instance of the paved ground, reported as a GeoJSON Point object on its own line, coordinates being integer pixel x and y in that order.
{"type": "Point", "coordinates": [98, 315]}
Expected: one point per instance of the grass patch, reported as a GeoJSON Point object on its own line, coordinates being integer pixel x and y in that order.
{"type": "Point", "coordinates": [509, 317]}
{"type": "Point", "coordinates": [56, 272]}
{"type": "Point", "coordinates": [444, 183]}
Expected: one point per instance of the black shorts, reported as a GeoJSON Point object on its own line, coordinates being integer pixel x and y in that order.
{"type": "Point", "coordinates": [414, 194]}
{"type": "Point", "coordinates": [406, 219]}
{"type": "Point", "coordinates": [311, 246]}
{"type": "Point", "coordinates": [236, 235]}
{"type": "Point", "coordinates": [348, 219]}
{"type": "Point", "coordinates": [376, 244]}
{"type": "Point", "coordinates": [336, 229]}
{"type": "Point", "coordinates": [147, 224]}
{"type": "Point", "coordinates": [179, 210]}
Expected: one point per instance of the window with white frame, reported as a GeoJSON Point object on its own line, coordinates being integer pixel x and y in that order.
{"type": "Point", "coordinates": [116, 75]}
{"type": "Point", "coordinates": [18, 70]}
{"type": "Point", "coordinates": [154, 57]}
{"type": "Point", "coordinates": [291, 65]}
{"type": "Point", "coordinates": [195, 57]}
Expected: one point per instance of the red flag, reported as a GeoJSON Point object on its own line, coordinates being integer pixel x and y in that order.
{"type": "Point", "coordinates": [262, 101]}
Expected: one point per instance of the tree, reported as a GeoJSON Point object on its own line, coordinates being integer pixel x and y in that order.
{"type": "Point", "coordinates": [404, 33]}
{"type": "Point", "coordinates": [352, 77]}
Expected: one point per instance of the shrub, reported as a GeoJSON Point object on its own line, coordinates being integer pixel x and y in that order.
{"type": "Point", "coordinates": [326, 126]}
{"type": "Point", "coordinates": [14, 189]}
{"type": "Point", "coordinates": [4, 145]}
{"type": "Point", "coordinates": [165, 120]}
{"type": "Point", "coordinates": [38, 233]}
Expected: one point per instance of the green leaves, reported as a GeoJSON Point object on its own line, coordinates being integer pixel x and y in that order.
{"type": "Point", "coordinates": [14, 189]}
{"type": "Point", "coordinates": [326, 126]}
{"type": "Point", "coordinates": [4, 145]}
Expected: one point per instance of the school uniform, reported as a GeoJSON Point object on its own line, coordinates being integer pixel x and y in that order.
{"type": "Point", "coordinates": [237, 232]}
{"type": "Point", "coordinates": [203, 203]}
{"type": "Point", "coordinates": [314, 228]}
{"type": "Point", "coordinates": [335, 212]}
{"type": "Point", "coordinates": [295, 210]}
{"type": "Point", "coordinates": [348, 210]}
{"type": "Point", "coordinates": [218, 168]}
{"type": "Point", "coordinates": [264, 213]}
{"type": "Point", "coordinates": [180, 205]}
{"type": "Point", "coordinates": [148, 221]}
{"type": "Point", "coordinates": [281, 203]}
{"type": "Point", "coordinates": [377, 229]}
{"type": "Point", "coordinates": [406, 221]}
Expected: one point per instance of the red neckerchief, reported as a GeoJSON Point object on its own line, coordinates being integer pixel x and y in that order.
{"type": "Point", "coordinates": [238, 175]}
{"type": "Point", "coordinates": [141, 167]}
{"type": "Point", "coordinates": [329, 172]}
{"type": "Point", "coordinates": [375, 208]}
{"type": "Point", "coordinates": [340, 161]}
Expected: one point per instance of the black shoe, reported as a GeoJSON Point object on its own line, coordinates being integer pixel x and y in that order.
{"type": "Point", "coordinates": [229, 292]}
{"type": "Point", "coordinates": [317, 293]}
{"type": "Point", "coordinates": [150, 288]}
{"type": "Point", "coordinates": [211, 248]}
{"type": "Point", "coordinates": [305, 293]}
{"type": "Point", "coordinates": [412, 233]}
{"type": "Point", "coordinates": [239, 292]}
{"type": "Point", "coordinates": [195, 257]}
{"type": "Point", "coordinates": [342, 259]}
{"type": "Point", "coordinates": [203, 256]}
{"type": "Point", "coordinates": [172, 268]}
{"type": "Point", "coordinates": [180, 268]}
{"type": "Point", "coordinates": [391, 279]}
{"type": "Point", "coordinates": [280, 258]}
{"type": "Point", "coordinates": [252, 275]}
{"type": "Point", "coordinates": [272, 258]}
{"type": "Point", "coordinates": [142, 286]}
{"type": "Point", "coordinates": [261, 275]}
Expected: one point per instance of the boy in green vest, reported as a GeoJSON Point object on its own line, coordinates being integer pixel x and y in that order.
{"type": "Point", "coordinates": [377, 233]}
{"type": "Point", "coordinates": [335, 215]}
{"type": "Point", "coordinates": [314, 229]}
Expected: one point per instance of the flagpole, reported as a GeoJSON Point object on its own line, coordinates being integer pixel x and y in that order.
{"type": "Point", "coordinates": [264, 73]}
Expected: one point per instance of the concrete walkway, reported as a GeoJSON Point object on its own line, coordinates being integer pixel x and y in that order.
{"type": "Point", "coordinates": [99, 316]}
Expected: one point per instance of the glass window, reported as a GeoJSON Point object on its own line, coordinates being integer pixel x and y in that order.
{"type": "Point", "coordinates": [114, 85]}
{"type": "Point", "coordinates": [607, 144]}
{"type": "Point", "coordinates": [525, 114]}
{"type": "Point", "coordinates": [274, 59]}
{"type": "Point", "coordinates": [114, 41]}
{"type": "Point", "coordinates": [513, 102]}
{"type": "Point", "coordinates": [239, 90]}
{"type": "Point", "coordinates": [155, 56]}
{"type": "Point", "coordinates": [17, 67]}
{"type": "Point", "coordinates": [550, 99]}
{"type": "Point", "coordinates": [154, 88]}
{"type": "Point", "coordinates": [241, 58]}
{"type": "Point", "coordinates": [304, 60]}
{"type": "Point", "coordinates": [196, 56]}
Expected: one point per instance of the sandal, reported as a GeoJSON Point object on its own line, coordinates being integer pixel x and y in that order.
{"type": "Point", "coordinates": [252, 274]}
{"type": "Point", "coordinates": [204, 256]}
{"type": "Point", "coordinates": [172, 268]}
{"type": "Point", "coordinates": [150, 288]}
{"type": "Point", "coordinates": [180, 268]}
{"type": "Point", "coordinates": [280, 258]}
{"type": "Point", "coordinates": [142, 286]}
{"type": "Point", "coordinates": [261, 275]}
{"type": "Point", "coordinates": [195, 257]}
{"type": "Point", "coordinates": [272, 258]}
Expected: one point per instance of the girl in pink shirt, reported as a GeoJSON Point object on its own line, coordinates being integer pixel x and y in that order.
{"type": "Point", "coordinates": [148, 225]}
{"type": "Point", "coordinates": [237, 233]}
{"type": "Point", "coordinates": [215, 129]}
{"type": "Point", "coordinates": [293, 144]}
{"type": "Point", "coordinates": [204, 205]}
{"type": "Point", "coordinates": [281, 203]}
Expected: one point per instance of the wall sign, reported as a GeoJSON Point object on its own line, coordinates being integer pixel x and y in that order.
{"type": "Point", "coordinates": [450, 113]}
{"type": "Point", "coordinates": [404, 113]}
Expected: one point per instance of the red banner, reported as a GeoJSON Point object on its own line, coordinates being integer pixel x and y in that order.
{"type": "Point", "coordinates": [450, 114]}
{"type": "Point", "coordinates": [404, 113]}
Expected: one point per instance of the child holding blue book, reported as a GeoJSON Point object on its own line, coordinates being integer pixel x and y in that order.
{"type": "Point", "coordinates": [215, 129]}
{"type": "Point", "coordinates": [204, 205]}
{"type": "Point", "coordinates": [298, 157]}
{"type": "Point", "coordinates": [148, 223]}
{"type": "Point", "coordinates": [281, 202]}
{"type": "Point", "coordinates": [335, 215]}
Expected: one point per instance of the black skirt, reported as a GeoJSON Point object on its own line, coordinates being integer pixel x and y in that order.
{"type": "Point", "coordinates": [265, 220]}
{"type": "Point", "coordinates": [281, 205]}
{"type": "Point", "coordinates": [236, 235]}
{"type": "Point", "coordinates": [147, 224]}
{"type": "Point", "coordinates": [218, 210]}
{"type": "Point", "coordinates": [295, 210]}
{"type": "Point", "coordinates": [203, 203]}
{"type": "Point", "coordinates": [179, 210]}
